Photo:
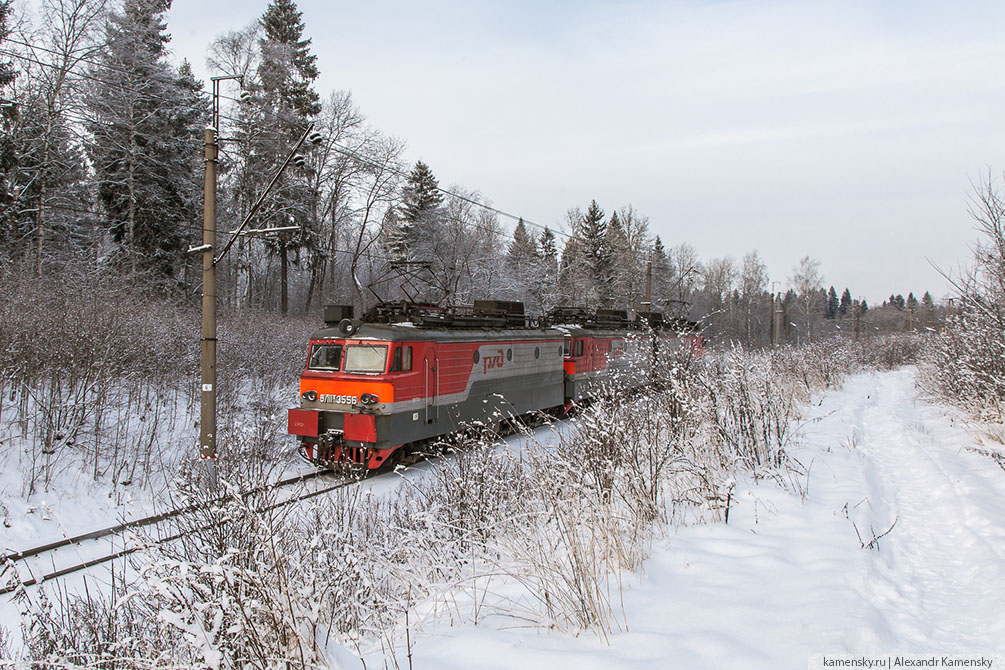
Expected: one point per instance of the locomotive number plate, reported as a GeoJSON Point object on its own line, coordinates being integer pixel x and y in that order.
{"type": "Point", "coordinates": [338, 399]}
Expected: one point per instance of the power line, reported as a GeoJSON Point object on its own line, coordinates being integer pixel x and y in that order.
{"type": "Point", "coordinates": [402, 173]}
{"type": "Point", "coordinates": [98, 217]}
{"type": "Point", "coordinates": [334, 145]}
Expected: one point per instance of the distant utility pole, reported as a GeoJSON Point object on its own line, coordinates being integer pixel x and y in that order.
{"type": "Point", "coordinates": [858, 317]}
{"type": "Point", "coordinates": [771, 322]}
{"type": "Point", "coordinates": [775, 324]}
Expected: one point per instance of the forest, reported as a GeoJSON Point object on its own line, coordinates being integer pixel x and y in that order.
{"type": "Point", "coordinates": [102, 162]}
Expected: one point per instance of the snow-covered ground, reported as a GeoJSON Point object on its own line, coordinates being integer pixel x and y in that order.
{"type": "Point", "coordinates": [796, 572]}
{"type": "Point", "coordinates": [789, 576]}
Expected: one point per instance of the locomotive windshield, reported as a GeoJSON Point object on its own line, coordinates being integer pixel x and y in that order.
{"type": "Point", "coordinates": [325, 357]}
{"type": "Point", "coordinates": [365, 357]}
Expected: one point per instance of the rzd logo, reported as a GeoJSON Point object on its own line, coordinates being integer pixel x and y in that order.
{"type": "Point", "coordinates": [489, 362]}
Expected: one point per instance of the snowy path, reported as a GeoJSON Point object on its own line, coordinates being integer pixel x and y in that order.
{"type": "Point", "coordinates": [937, 586]}
{"type": "Point", "coordinates": [788, 577]}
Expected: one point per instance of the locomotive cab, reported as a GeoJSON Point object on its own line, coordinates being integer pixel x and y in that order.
{"type": "Point", "coordinates": [346, 392]}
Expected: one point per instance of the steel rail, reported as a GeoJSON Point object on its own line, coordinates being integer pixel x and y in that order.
{"type": "Point", "coordinates": [130, 550]}
{"type": "Point", "coordinates": [149, 521]}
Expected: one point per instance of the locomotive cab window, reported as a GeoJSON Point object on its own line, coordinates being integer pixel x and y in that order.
{"type": "Point", "coordinates": [325, 357]}
{"type": "Point", "coordinates": [402, 360]}
{"type": "Point", "coordinates": [579, 348]}
{"type": "Point", "coordinates": [567, 347]}
{"type": "Point", "coordinates": [365, 358]}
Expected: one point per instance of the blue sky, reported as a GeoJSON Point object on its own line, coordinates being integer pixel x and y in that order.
{"type": "Point", "coordinates": [847, 131]}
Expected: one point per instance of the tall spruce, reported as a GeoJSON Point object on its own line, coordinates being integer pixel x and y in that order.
{"type": "Point", "coordinates": [522, 252]}
{"type": "Point", "coordinates": [544, 279]}
{"type": "Point", "coordinates": [833, 304]}
{"type": "Point", "coordinates": [616, 265]}
{"type": "Point", "coordinates": [661, 273]}
{"type": "Point", "coordinates": [288, 68]}
{"type": "Point", "coordinates": [846, 303]}
{"type": "Point", "coordinates": [146, 123]}
{"type": "Point", "coordinates": [413, 237]}
{"type": "Point", "coordinates": [285, 104]}
{"type": "Point", "coordinates": [592, 233]}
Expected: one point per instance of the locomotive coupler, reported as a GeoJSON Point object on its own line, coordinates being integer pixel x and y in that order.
{"type": "Point", "coordinates": [328, 441]}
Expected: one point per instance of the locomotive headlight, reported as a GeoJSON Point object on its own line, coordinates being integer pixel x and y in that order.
{"type": "Point", "coordinates": [309, 395]}
{"type": "Point", "coordinates": [369, 399]}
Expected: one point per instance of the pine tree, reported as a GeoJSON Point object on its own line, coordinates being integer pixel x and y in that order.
{"type": "Point", "coordinates": [912, 302]}
{"type": "Point", "coordinates": [548, 248]}
{"type": "Point", "coordinates": [147, 134]}
{"type": "Point", "coordinates": [592, 231]}
{"type": "Point", "coordinates": [927, 310]}
{"type": "Point", "coordinates": [545, 280]}
{"type": "Point", "coordinates": [832, 303]}
{"type": "Point", "coordinates": [522, 251]}
{"type": "Point", "coordinates": [421, 194]}
{"type": "Point", "coordinates": [570, 273]}
{"type": "Point", "coordinates": [288, 103]}
{"type": "Point", "coordinates": [615, 262]}
{"type": "Point", "coordinates": [50, 182]}
{"type": "Point", "coordinates": [288, 68]}
{"type": "Point", "coordinates": [662, 276]}
{"type": "Point", "coordinates": [419, 214]}
{"type": "Point", "coordinates": [846, 303]}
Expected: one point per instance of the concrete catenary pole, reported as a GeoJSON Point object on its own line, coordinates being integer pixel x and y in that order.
{"type": "Point", "coordinates": [207, 422]}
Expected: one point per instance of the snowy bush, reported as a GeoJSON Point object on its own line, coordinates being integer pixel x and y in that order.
{"type": "Point", "coordinates": [98, 377]}
{"type": "Point", "coordinates": [892, 351]}
{"type": "Point", "coordinates": [967, 359]}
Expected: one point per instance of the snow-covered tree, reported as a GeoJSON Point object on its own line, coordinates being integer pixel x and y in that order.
{"type": "Point", "coordinates": [146, 122]}
{"type": "Point", "coordinates": [616, 264]}
{"type": "Point", "coordinates": [846, 303]}
{"type": "Point", "coordinates": [419, 216]}
{"type": "Point", "coordinates": [755, 307]}
{"type": "Point", "coordinates": [806, 281]}
{"type": "Point", "coordinates": [288, 102]}
{"type": "Point", "coordinates": [832, 304]}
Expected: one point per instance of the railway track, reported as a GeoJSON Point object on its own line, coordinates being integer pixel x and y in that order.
{"type": "Point", "coordinates": [77, 542]}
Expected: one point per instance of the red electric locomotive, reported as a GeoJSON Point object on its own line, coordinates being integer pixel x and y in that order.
{"type": "Point", "coordinates": [409, 373]}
